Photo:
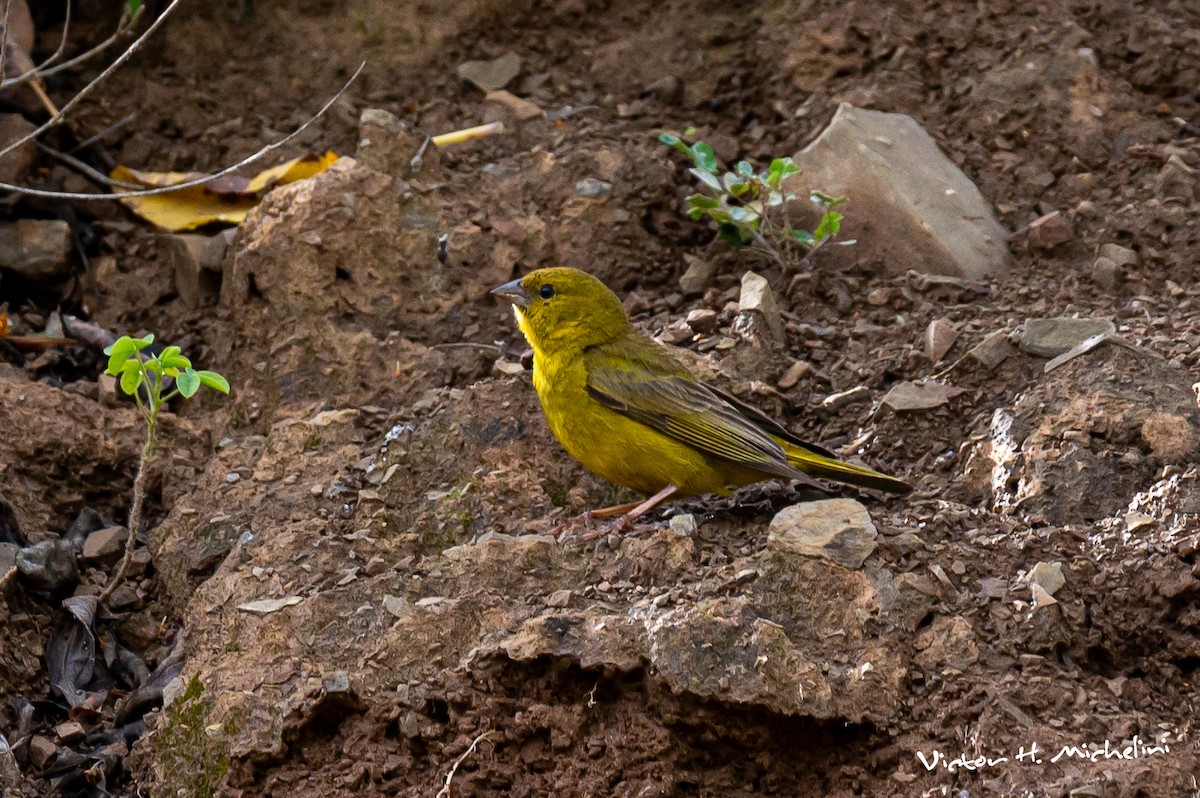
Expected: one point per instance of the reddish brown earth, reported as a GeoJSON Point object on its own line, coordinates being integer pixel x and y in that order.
{"type": "Point", "coordinates": [374, 464]}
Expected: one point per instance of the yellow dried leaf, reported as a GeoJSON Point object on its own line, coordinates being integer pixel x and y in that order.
{"type": "Point", "coordinates": [225, 200]}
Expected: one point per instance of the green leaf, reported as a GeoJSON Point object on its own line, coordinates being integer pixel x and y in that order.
{"type": "Point", "coordinates": [734, 184]}
{"type": "Point", "coordinates": [744, 169]}
{"type": "Point", "coordinates": [788, 167]}
{"type": "Point", "coordinates": [173, 360]}
{"type": "Point", "coordinates": [732, 234]}
{"type": "Point", "coordinates": [188, 383]}
{"type": "Point", "coordinates": [720, 216]}
{"type": "Point", "coordinates": [214, 380]}
{"type": "Point", "coordinates": [831, 224]}
{"type": "Point", "coordinates": [134, 6]}
{"type": "Point", "coordinates": [119, 353]}
{"type": "Point", "coordinates": [695, 213]}
{"type": "Point", "coordinates": [704, 157]}
{"type": "Point", "coordinates": [702, 201]}
{"type": "Point", "coordinates": [131, 380]}
{"type": "Point", "coordinates": [708, 179]}
{"type": "Point", "coordinates": [671, 140]}
{"type": "Point", "coordinates": [743, 215]}
{"type": "Point", "coordinates": [774, 173]}
{"type": "Point", "coordinates": [804, 237]}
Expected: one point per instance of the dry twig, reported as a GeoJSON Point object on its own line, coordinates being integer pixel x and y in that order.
{"type": "Point", "coordinates": [445, 791]}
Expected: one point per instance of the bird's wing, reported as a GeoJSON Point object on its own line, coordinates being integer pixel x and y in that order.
{"type": "Point", "coordinates": [646, 384]}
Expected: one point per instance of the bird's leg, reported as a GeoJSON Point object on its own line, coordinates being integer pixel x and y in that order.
{"type": "Point", "coordinates": [633, 511]}
{"type": "Point", "coordinates": [610, 512]}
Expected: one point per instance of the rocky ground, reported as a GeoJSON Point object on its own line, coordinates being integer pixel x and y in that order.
{"type": "Point", "coordinates": [348, 584]}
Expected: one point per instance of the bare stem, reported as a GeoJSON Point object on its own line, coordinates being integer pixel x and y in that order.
{"type": "Point", "coordinates": [135, 514]}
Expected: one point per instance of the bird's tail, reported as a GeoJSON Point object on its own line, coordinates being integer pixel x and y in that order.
{"type": "Point", "coordinates": [824, 465]}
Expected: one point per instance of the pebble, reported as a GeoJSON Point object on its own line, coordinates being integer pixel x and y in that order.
{"type": "Point", "coordinates": [940, 335]}
{"type": "Point", "coordinates": [698, 275]}
{"type": "Point", "coordinates": [1050, 231]}
{"type": "Point", "coordinates": [683, 524]}
{"type": "Point", "coordinates": [1049, 576]}
{"type": "Point", "coordinates": [1106, 273]}
{"type": "Point", "coordinates": [559, 599]}
{"type": "Point", "coordinates": [593, 188]}
{"type": "Point", "coordinates": [992, 350]}
{"type": "Point", "coordinates": [796, 372]}
{"type": "Point", "coordinates": [491, 75]}
{"type": "Point", "coordinates": [839, 530]}
{"type": "Point", "coordinates": [104, 543]}
{"type": "Point", "coordinates": [1122, 256]}
{"type": "Point", "coordinates": [1052, 337]}
{"type": "Point", "coordinates": [757, 298]}
{"type": "Point", "coordinates": [42, 751]}
{"type": "Point", "coordinates": [702, 320]}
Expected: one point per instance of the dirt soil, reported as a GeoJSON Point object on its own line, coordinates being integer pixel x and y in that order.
{"type": "Point", "coordinates": [382, 468]}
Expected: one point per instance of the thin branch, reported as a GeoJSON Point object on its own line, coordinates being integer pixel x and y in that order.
{"type": "Point", "coordinates": [115, 126]}
{"type": "Point", "coordinates": [199, 181]}
{"type": "Point", "coordinates": [78, 98]}
{"type": "Point", "coordinates": [95, 175]}
{"type": "Point", "coordinates": [41, 70]}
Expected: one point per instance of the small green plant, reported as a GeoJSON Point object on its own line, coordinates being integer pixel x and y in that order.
{"type": "Point", "coordinates": [145, 377]}
{"type": "Point", "coordinates": [740, 203]}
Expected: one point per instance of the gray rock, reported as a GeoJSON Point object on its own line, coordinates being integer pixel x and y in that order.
{"type": "Point", "coordinates": [491, 75]}
{"type": "Point", "coordinates": [698, 275]}
{"type": "Point", "coordinates": [36, 249]}
{"type": "Point", "coordinates": [8, 558]}
{"type": "Point", "coordinates": [196, 262]}
{"type": "Point", "coordinates": [910, 206]}
{"type": "Point", "coordinates": [592, 188]}
{"type": "Point", "coordinates": [1049, 575]}
{"type": "Point", "coordinates": [758, 314]}
{"type": "Point", "coordinates": [839, 530]}
{"type": "Point", "coordinates": [1122, 256]}
{"type": "Point", "coordinates": [1052, 337]}
{"type": "Point", "coordinates": [48, 565]}
{"type": "Point", "coordinates": [924, 395]}
{"type": "Point", "coordinates": [1106, 273]}
{"type": "Point", "coordinates": [992, 350]}
{"type": "Point", "coordinates": [559, 599]}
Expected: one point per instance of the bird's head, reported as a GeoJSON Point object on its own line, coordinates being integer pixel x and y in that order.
{"type": "Point", "coordinates": [562, 308]}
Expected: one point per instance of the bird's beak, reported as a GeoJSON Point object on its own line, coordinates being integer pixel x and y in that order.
{"type": "Point", "coordinates": [513, 292]}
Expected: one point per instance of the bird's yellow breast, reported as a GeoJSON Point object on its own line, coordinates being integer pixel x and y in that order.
{"type": "Point", "coordinates": [620, 449]}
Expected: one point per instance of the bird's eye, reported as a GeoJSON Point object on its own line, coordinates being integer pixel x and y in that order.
{"type": "Point", "coordinates": [547, 291]}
